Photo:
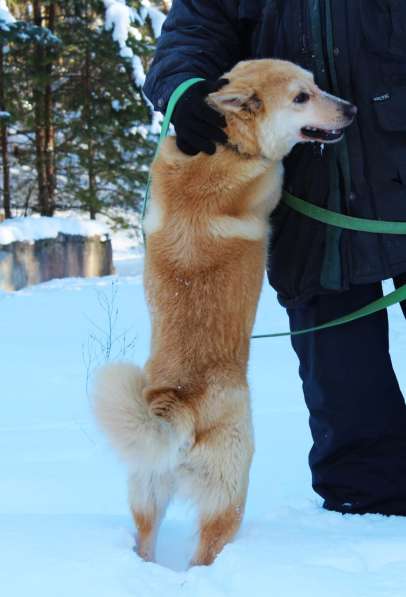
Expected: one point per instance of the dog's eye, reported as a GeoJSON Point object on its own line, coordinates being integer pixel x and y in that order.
{"type": "Point", "coordinates": [302, 98]}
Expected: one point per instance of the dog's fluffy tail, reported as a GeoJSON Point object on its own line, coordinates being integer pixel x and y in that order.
{"type": "Point", "coordinates": [142, 439]}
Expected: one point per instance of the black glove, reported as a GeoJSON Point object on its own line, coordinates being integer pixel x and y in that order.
{"type": "Point", "coordinates": [198, 126]}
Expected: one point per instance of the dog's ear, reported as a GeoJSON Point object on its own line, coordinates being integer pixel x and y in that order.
{"type": "Point", "coordinates": [238, 100]}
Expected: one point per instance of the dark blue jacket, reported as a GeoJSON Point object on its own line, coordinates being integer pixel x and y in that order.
{"type": "Point", "coordinates": [357, 49]}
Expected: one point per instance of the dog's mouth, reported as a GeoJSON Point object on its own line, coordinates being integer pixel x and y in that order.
{"type": "Point", "coordinates": [322, 135]}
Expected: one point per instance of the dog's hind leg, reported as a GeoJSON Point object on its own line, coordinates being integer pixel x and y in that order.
{"type": "Point", "coordinates": [220, 494]}
{"type": "Point", "coordinates": [216, 476]}
{"type": "Point", "coordinates": [149, 499]}
{"type": "Point", "coordinates": [215, 531]}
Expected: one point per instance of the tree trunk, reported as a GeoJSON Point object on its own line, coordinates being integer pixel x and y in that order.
{"type": "Point", "coordinates": [39, 116]}
{"type": "Point", "coordinates": [92, 183]}
{"type": "Point", "coordinates": [4, 143]}
{"type": "Point", "coordinates": [49, 127]}
{"type": "Point", "coordinates": [92, 187]}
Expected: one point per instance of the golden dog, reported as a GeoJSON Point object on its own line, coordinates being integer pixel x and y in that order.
{"type": "Point", "coordinates": [183, 424]}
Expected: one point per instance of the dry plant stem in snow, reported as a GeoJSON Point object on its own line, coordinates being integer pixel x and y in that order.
{"type": "Point", "coordinates": [107, 341]}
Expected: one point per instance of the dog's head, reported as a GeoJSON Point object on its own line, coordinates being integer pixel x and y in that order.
{"type": "Point", "coordinates": [270, 105]}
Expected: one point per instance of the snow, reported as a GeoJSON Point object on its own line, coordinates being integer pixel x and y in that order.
{"type": "Point", "coordinates": [157, 17]}
{"type": "Point", "coordinates": [65, 525]}
{"type": "Point", "coordinates": [35, 227]}
{"type": "Point", "coordinates": [138, 71]}
{"type": "Point", "coordinates": [6, 18]}
{"type": "Point", "coordinates": [157, 20]}
{"type": "Point", "coordinates": [119, 18]}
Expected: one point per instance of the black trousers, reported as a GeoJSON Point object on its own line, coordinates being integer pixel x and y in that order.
{"type": "Point", "coordinates": [357, 411]}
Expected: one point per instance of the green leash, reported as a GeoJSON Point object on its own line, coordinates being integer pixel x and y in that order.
{"type": "Point", "coordinates": [397, 296]}
{"type": "Point", "coordinates": [340, 220]}
{"type": "Point", "coordinates": [173, 100]}
{"type": "Point", "coordinates": [316, 213]}
{"type": "Point", "coordinates": [349, 223]}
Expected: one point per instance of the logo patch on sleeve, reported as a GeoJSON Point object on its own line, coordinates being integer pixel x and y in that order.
{"type": "Point", "coordinates": [381, 98]}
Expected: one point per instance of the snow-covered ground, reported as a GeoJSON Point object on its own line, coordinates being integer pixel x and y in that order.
{"type": "Point", "coordinates": [65, 529]}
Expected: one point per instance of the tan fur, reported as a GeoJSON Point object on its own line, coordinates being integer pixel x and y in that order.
{"type": "Point", "coordinates": [184, 423]}
{"type": "Point", "coordinates": [215, 532]}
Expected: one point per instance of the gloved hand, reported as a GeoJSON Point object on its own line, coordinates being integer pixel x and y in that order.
{"type": "Point", "coordinates": [198, 126]}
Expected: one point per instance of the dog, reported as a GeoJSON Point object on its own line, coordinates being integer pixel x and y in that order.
{"type": "Point", "coordinates": [183, 423]}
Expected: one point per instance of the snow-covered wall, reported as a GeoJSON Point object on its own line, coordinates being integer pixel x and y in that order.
{"type": "Point", "coordinates": [35, 228]}
{"type": "Point", "coordinates": [34, 250]}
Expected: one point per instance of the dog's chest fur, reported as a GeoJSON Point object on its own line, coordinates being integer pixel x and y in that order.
{"type": "Point", "coordinates": [207, 232]}
{"type": "Point", "coordinates": [217, 197]}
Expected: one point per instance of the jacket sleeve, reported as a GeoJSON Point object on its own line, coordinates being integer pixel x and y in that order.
{"type": "Point", "coordinates": [200, 38]}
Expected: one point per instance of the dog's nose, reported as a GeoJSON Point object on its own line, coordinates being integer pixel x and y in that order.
{"type": "Point", "coordinates": [350, 110]}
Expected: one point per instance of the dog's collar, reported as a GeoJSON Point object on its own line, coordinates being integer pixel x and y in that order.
{"type": "Point", "coordinates": [234, 148]}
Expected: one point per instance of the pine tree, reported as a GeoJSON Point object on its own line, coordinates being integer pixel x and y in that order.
{"type": "Point", "coordinates": [23, 89]}
{"type": "Point", "coordinates": [109, 146]}
{"type": "Point", "coordinates": [4, 117]}
{"type": "Point", "coordinates": [79, 131]}
{"type": "Point", "coordinates": [6, 22]}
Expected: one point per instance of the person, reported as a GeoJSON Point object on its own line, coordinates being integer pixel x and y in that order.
{"type": "Point", "coordinates": [357, 50]}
